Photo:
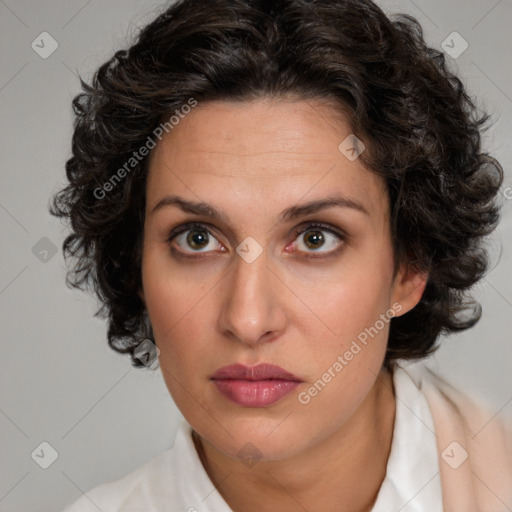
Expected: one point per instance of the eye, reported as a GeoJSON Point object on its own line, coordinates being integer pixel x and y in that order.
{"type": "Point", "coordinates": [312, 239]}
{"type": "Point", "coordinates": [194, 238]}
{"type": "Point", "coordinates": [317, 238]}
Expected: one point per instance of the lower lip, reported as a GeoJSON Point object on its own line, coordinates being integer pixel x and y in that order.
{"type": "Point", "coordinates": [255, 393]}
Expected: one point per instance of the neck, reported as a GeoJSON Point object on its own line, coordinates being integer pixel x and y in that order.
{"type": "Point", "coordinates": [342, 473]}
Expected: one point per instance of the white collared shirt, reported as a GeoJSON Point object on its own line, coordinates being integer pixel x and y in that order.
{"type": "Point", "coordinates": [412, 482]}
{"type": "Point", "coordinates": [176, 481]}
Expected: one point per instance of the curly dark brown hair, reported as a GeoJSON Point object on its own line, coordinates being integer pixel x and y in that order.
{"type": "Point", "coordinates": [421, 129]}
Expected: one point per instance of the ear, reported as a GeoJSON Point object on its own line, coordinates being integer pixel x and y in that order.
{"type": "Point", "coordinates": [408, 287]}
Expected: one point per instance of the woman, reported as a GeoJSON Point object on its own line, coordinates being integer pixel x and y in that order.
{"type": "Point", "coordinates": [284, 202]}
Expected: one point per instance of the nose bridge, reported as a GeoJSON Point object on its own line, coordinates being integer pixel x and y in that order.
{"type": "Point", "coordinates": [251, 308]}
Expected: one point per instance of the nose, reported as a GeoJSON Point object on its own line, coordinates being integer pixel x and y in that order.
{"type": "Point", "coordinates": [251, 311]}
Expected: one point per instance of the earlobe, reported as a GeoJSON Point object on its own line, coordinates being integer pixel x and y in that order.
{"type": "Point", "coordinates": [140, 293]}
{"type": "Point", "coordinates": [409, 286]}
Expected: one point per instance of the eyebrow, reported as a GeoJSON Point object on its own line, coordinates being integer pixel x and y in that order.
{"type": "Point", "coordinates": [291, 213]}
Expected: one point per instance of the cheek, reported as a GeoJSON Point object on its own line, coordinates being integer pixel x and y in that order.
{"type": "Point", "coordinates": [346, 367]}
{"type": "Point", "coordinates": [353, 298]}
{"type": "Point", "coordinates": [170, 290]}
{"type": "Point", "coordinates": [354, 346]}
{"type": "Point", "coordinates": [179, 322]}
{"type": "Point", "coordinates": [180, 309]}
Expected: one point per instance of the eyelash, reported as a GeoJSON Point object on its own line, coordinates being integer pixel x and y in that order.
{"type": "Point", "coordinates": [191, 226]}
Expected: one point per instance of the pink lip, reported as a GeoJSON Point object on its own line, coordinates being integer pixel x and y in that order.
{"type": "Point", "coordinates": [256, 386]}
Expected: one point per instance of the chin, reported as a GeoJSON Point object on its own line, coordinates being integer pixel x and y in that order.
{"type": "Point", "coordinates": [259, 438]}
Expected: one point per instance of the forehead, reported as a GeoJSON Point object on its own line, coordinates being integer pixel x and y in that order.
{"type": "Point", "coordinates": [279, 148]}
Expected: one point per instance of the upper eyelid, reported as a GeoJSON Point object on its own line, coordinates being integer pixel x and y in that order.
{"type": "Point", "coordinates": [320, 225]}
{"type": "Point", "coordinates": [301, 227]}
{"type": "Point", "coordinates": [188, 226]}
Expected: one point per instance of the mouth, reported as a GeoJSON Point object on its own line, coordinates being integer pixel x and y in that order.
{"type": "Point", "coordinates": [257, 386]}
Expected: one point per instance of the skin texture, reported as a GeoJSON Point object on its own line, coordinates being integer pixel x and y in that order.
{"type": "Point", "coordinates": [252, 160]}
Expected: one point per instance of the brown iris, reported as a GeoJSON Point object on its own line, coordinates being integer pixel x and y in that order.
{"type": "Point", "coordinates": [197, 239]}
{"type": "Point", "coordinates": [314, 239]}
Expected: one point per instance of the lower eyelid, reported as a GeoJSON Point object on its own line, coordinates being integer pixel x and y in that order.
{"type": "Point", "coordinates": [322, 255]}
{"type": "Point", "coordinates": [192, 255]}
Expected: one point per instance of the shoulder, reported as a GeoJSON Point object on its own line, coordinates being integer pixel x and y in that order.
{"type": "Point", "coordinates": [173, 480]}
{"type": "Point", "coordinates": [135, 491]}
{"type": "Point", "coordinates": [131, 488]}
{"type": "Point", "coordinates": [474, 442]}
{"type": "Point", "coordinates": [451, 402]}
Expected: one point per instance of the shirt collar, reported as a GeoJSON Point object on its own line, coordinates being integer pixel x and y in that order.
{"type": "Point", "coordinates": [412, 482]}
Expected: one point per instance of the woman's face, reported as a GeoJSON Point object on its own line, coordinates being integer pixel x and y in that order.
{"type": "Point", "coordinates": [254, 284]}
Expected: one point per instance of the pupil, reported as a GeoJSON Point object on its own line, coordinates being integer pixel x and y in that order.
{"type": "Point", "coordinates": [197, 239]}
{"type": "Point", "coordinates": [314, 239]}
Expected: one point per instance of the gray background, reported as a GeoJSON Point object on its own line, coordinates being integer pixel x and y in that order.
{"type": "Point", "coordinates": [60, 383]}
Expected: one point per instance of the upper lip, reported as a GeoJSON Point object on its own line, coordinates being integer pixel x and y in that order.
{"type": "Point", "coordinates": [262, 371]}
